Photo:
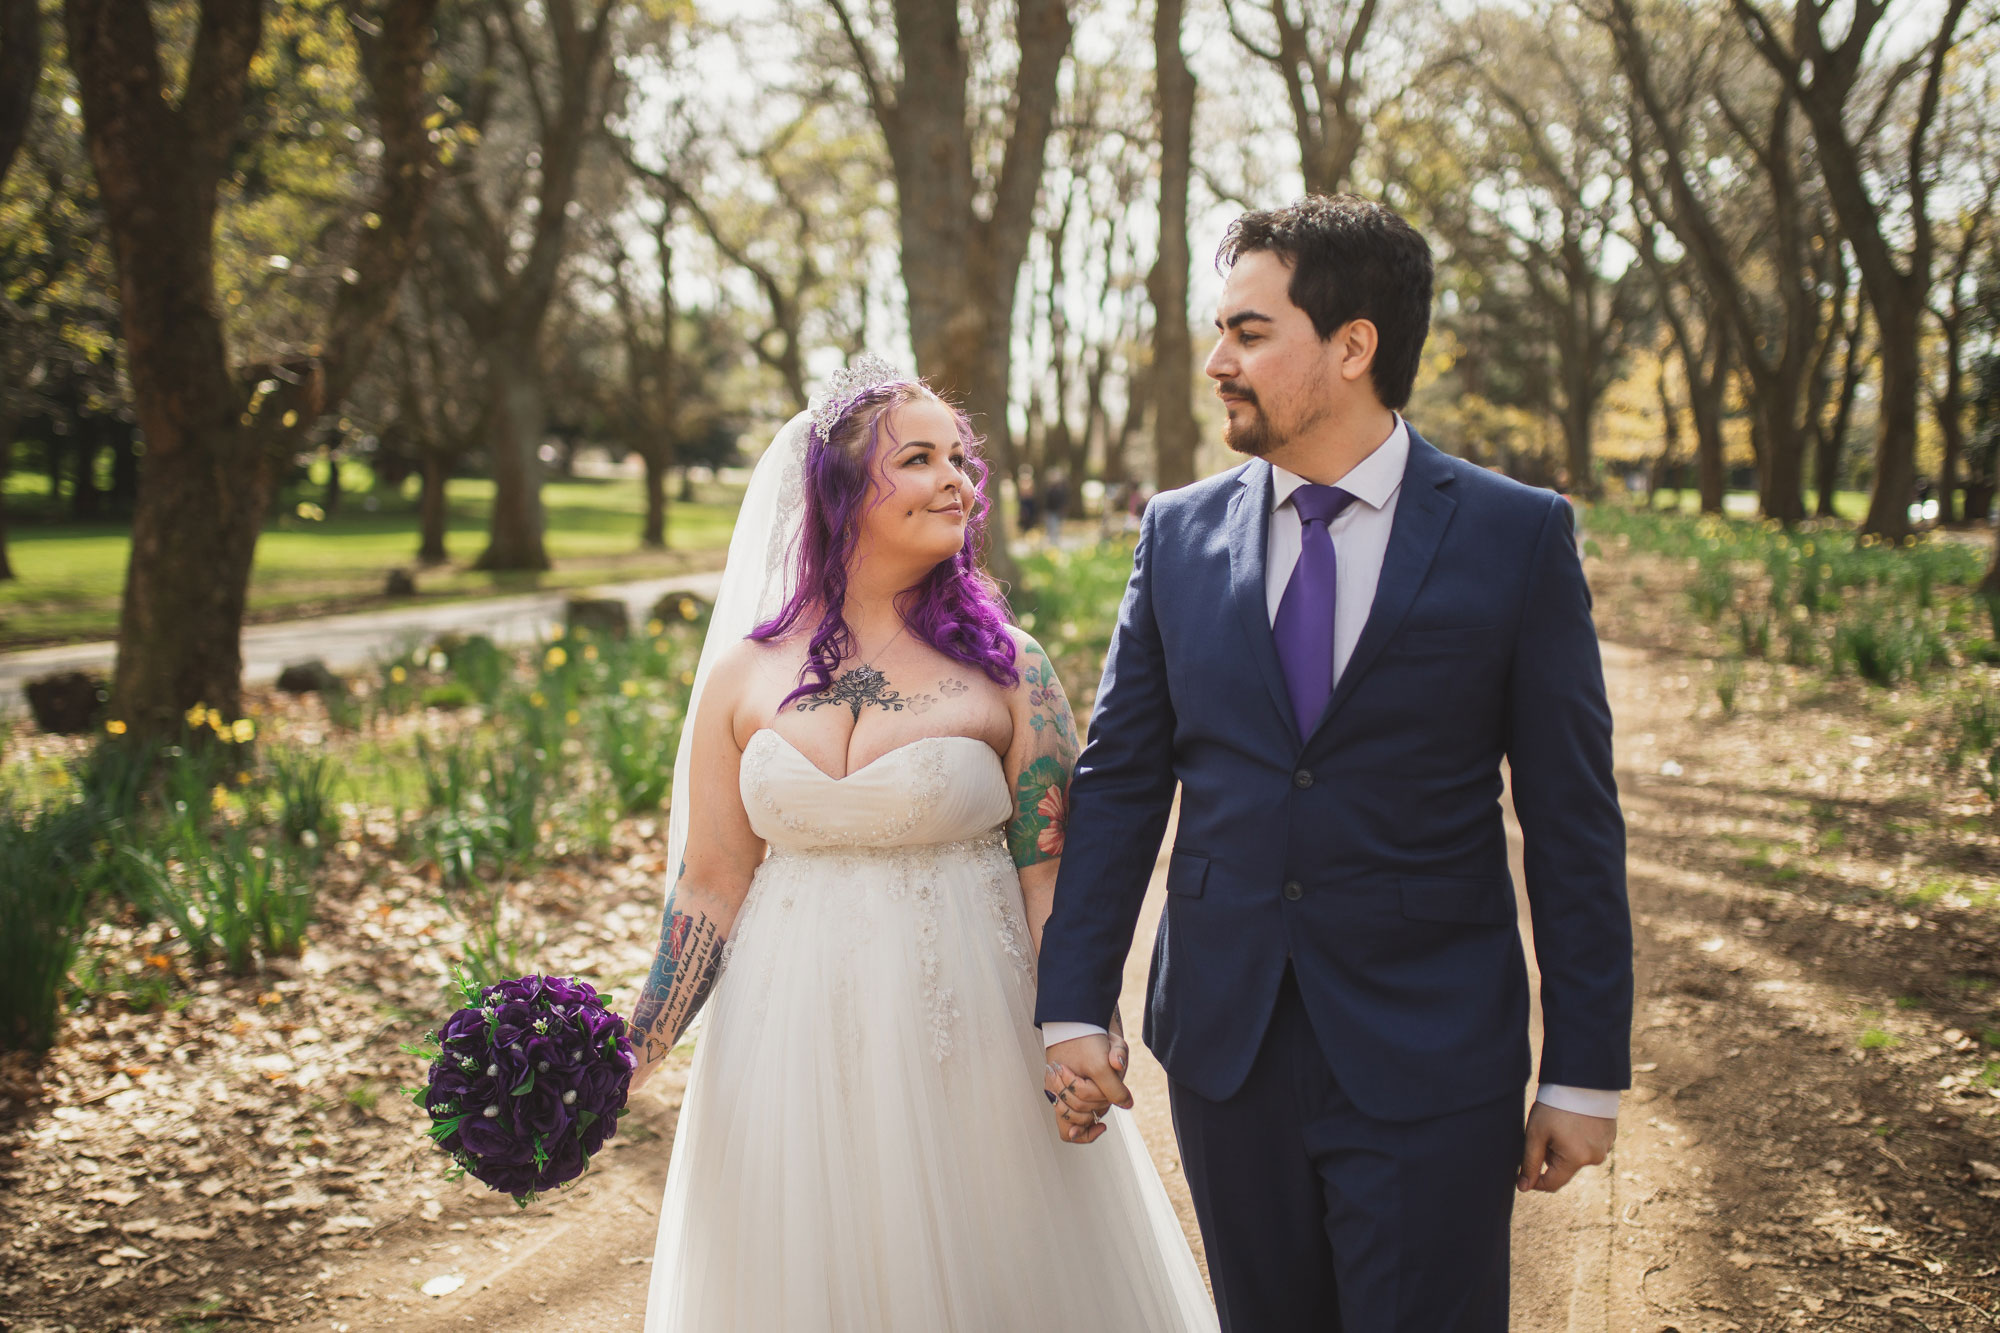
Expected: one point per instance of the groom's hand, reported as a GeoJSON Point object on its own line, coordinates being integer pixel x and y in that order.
{"type": "Point", "coordinates": [1561, 1143]}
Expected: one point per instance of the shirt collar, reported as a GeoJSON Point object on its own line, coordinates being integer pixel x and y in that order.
{"type": "Point", "coordinates": [1372, 481]}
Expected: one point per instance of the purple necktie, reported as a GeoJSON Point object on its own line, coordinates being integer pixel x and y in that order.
{"type": "Point", "coordinates": [1304, 627]}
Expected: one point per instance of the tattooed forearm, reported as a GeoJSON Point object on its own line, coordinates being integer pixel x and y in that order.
{"type": "Point", "coordinates": [1041, 790]}
{"type": "Point", "coordinates": [684, 972]}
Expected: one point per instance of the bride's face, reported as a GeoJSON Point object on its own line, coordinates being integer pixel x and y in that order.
{"type": "Point", "coordinates": [923, 491]}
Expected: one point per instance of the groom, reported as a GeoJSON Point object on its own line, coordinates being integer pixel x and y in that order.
{"type": "Point", "coordinates": [1328, 651]}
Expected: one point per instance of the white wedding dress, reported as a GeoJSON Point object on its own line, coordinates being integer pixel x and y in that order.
{"type": "Point", "coordinates": [864, 1146]}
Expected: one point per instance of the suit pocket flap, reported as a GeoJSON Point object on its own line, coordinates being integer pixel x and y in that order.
{"type": "Point", "coordinates": [1187, 874]}
{"type": "Point", "coordinates": [1473, 902]}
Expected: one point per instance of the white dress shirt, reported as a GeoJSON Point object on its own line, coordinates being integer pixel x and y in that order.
{"type": "Point", "coordinates": [1360, 535]}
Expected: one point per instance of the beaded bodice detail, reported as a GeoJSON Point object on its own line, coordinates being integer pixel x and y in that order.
{"type": "Point", "coordinates": [890, 836]}
{"type": "Point", "coordinates": [936, 789]}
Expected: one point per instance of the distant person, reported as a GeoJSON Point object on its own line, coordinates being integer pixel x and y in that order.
{"type": "Point", "coordinates": [1055, 502]}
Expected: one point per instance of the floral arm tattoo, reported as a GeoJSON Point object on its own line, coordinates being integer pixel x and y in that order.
{"type": "Point", "coordinates": [1041, 791]}
{"type": "Point", "coordinates": [684, 972]}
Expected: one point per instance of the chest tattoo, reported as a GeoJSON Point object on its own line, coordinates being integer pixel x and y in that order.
{"type": "Point", "coordinates": [863, 687]}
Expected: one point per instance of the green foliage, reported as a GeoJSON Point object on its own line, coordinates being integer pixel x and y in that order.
{"type": "Point", "coordinates": [1890, 613]}
{"type": "Point", "coordinates": [1068, 599]}
{"type": "Point", "coordinates": [229, 894]}
{"type": "Point", "coordinates": [304, 785]}
{"type": "Point", "coordinates": [45, 860]}
{"type": "Point", "coordinates": [1974, 743]}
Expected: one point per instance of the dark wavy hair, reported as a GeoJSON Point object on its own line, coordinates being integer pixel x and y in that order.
{"type": "Point", "coordinates": [1351, 259]}
{"type": "Point", "coordinates": [956, 608]}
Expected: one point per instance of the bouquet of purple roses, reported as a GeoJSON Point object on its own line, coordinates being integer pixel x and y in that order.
{"type": "Point", "coordinates": [526, 1082]}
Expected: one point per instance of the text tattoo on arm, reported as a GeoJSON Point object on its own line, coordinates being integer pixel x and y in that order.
{"type": "Point", "coordinates": [1041, 791]}
{"type": "Point", "coordinates": [684, 971]}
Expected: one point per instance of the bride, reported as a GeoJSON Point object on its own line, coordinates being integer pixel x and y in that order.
{"type": "Point", "coordinates": [868, 811]}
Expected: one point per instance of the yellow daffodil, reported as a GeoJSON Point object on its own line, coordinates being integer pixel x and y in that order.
{"type": "Point", "coordinates": [655, 628]}
{"type": "Point", "coordinates": [629, 688]}
{"type": "Point", "coordinates": [687, 677]}
{"type": "Point", "coordinates": [215, 722]}
{"type": "Point", "coordinates": [590, 652]}
{"type": "Point", "coordinates": [197, 715]}
{"type": "Point", "coordinates": [243, 730]}
{"type": "Point", "coordinates": [220, 796]}
{"type": "Point", "coordinates": [115, 727]}
{"type": "Point", "coordinates": [535, 699]}
{"type": "Point", "coordinates": [572, 717]}
{"type": "Point", "coordinates": [555, 657]}
{"type": "Point", "coordinates": [688, 609]}
{"type": "Point", "coordinates": [398, 674]}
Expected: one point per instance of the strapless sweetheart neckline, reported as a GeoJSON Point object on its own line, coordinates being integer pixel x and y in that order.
{"type": "Point", "coordinates": [893, 750]}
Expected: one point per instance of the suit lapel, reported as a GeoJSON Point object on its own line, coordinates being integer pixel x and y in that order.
{"type": "Point", "coordinates": [1423, 512]}
{"type": "Point", "coordinates": [1247, 530]}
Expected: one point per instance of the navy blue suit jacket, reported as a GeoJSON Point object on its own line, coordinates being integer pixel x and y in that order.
{"type": "Point", "coordinates": [1372, 853]}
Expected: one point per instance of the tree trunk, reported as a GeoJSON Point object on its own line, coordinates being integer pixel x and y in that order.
{"type": "Point", "coordinates": [20, 71]}
{"type": "Point", "coordinates": [124, 473]}
{"type": "Point", "coordinates": [960, 266]}
{"type": "Point", "coordinates": [1708, 384]}
{"type": "Point", "coordinates": [1174, 431]}
{"type": "Point", "coordinates": [6, 464]}
{"type": "Point", "coordinates": [214, 438]}
{"type": "Point", "coordinates": [330, 498]}
{"type": "Point", "coordinates": [1575, 417]}
{"type": "Point", "coordinates": [1896, 433]}
{"type": "Point", "coordinates": [513, 445]}
{"type": "Point", "coordinates": [654, 537]}
{"type": "Point", "coordinates": [1117, 444]}
{"type": "Point", "coordinates": [1951, 420]}
{"type": "Point", "coordinates": [179, 638]}
{"type": "Point", "coordinates": [1781, 469]}
{"type": "Point", "coordinates": [1670, 437]}
{"type": "Point", "coordinates": [433, 509]}
{"type": "Point", "coordinates": [1833, 438]}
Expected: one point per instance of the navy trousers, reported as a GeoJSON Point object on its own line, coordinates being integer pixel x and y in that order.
{"type": "Point", "coordinates": [1319, 1219]}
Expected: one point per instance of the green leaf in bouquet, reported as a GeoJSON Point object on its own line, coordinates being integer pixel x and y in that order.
{"type": "Point", "coordinates": [584, 1120]}
{"type": "Point", "coordinates": [527, 1085]}
{"type": "Point", "coordinates": [541, 1153]}
{"type": "Point", "coordinates": [444, 1129]}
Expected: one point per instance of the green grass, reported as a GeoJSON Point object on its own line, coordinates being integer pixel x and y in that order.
{"type": "Point", "coordinates": [69, 578]}
{"type": "Point", "coordinates": [1850, 505]}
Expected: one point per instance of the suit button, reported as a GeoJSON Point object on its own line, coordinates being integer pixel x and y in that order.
{"type": "Point", "coordinates": [1302, 779]}
{"type": "Point", "coordinates": [1294, 890]}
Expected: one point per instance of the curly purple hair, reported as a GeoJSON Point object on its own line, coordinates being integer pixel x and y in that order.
{"type": "Point", "coordinates": [956, 608]}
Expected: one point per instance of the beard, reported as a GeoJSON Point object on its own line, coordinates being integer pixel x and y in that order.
{"type": "Point", "coordinates": [1255, 433]}
{"type": "Point", "coordinates": [1250, 432]}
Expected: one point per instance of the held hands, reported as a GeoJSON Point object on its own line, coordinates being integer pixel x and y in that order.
{"type": "Point", "coordinates": [1085, 1077]}
{"type": "Point", "coordinates": [1561, 1143]}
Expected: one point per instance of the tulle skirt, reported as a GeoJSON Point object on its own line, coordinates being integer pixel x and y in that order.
{"type": "Point", "coordinates": [864, 1146]}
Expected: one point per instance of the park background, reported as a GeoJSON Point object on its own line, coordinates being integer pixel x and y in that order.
{"type": "Point", "coordinates": [367, 317]}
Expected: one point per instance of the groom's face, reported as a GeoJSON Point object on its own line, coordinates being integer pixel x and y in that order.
{"type": "Point", "coordinates": [1271, 369]}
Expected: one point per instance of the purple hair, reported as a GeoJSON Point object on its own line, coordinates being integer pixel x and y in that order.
{"type": "Point", "coordinates": [956, 608]}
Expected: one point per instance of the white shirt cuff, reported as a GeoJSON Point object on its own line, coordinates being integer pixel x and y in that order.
{"type": "Point", "coordinates": [1057, 1032]}
{"type": "Point", "coordinates": [1600, 1102]}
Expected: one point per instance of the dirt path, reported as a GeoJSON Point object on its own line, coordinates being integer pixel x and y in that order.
{"type": "Point", "coordinates": [354, 640]}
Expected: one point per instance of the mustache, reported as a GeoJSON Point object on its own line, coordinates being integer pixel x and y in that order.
{"type": "Point", "coordinates": [1235, 389]}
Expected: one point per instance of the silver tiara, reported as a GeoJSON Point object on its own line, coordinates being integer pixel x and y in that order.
{"type": "Point", "coordinates": [846, 385]}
